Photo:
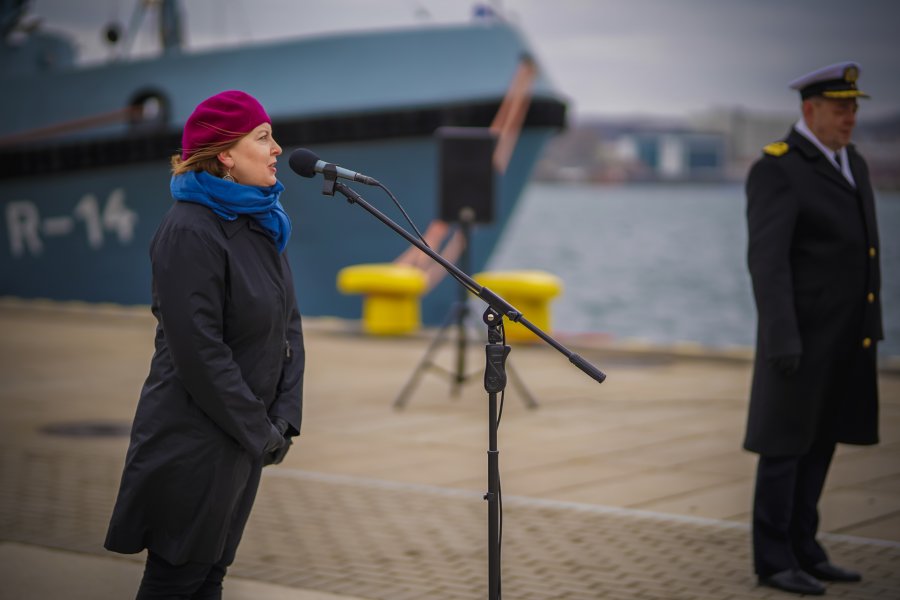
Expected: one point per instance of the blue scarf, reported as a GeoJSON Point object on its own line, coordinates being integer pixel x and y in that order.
{"type": "Point", "coordinates": [228, 200]}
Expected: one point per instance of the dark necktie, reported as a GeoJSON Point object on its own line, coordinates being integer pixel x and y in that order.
{"type": "Point", "coordinates": [840, 167]}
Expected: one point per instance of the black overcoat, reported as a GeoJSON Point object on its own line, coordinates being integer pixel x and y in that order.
{"type": "Point", "coordinates": [229, 357]}
{"type": "Point", "coordinates": [813, 255]}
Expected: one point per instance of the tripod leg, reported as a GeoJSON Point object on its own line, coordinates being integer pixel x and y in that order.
{"type": "Point", "coordinates": [410, 384]}
{"type": "Point", "coordinates": [517, 381]}
{"type": "Point", "coordinates": [459, 378]}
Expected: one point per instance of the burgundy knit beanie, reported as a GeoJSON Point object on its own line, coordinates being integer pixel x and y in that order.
{"type": "Point", "coordinates": [224, 117]}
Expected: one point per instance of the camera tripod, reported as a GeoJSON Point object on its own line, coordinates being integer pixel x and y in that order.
{"type": "Point", "coordinates": [457, 318]}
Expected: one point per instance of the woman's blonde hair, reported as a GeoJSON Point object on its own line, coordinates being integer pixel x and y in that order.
{"type": "Point", "coordinates": [204, 159]}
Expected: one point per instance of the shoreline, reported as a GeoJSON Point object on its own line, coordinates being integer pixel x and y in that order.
{"type": "Point", "coordinates": [598, 344]}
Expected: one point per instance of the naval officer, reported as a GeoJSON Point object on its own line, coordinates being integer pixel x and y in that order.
{"type": "Point", "coordinates": [813, 256]}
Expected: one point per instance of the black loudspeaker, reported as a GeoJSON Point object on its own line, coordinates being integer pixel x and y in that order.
{"type": "Point", "coordinates": [466, 170]}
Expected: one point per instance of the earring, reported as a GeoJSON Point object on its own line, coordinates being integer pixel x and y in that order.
{"type": "Point", "coordinates": [228, 176]}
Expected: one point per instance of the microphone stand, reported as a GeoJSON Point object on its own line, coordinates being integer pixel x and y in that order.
{"type": "Point", "coordinates": [495, 362]}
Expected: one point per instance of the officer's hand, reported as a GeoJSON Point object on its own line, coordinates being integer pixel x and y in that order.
{"type": "Point", "coordinates": [786, 365]}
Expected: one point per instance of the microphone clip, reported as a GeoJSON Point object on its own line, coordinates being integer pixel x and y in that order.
{"type": "Point", "coordinates": [329, 174]}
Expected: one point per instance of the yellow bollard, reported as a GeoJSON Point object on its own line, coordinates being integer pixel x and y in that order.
{"type": "Point", "coordinates": [391, 294]}
{"type": "Point", "coordinates": [528, 291]}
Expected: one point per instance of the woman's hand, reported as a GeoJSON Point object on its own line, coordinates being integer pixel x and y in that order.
{"type": "Point", "coordinates": [278, 444]}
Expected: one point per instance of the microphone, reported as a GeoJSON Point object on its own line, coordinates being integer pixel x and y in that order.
{"type": "Point", "coordinates": [305, 163]}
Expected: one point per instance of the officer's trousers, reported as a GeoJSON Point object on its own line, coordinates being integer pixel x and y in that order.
{"type": "Point", "coordinates": [785, 510]}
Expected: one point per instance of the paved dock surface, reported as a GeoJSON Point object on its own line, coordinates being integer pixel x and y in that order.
{"type": "Point", "coordinates": [636, 488]}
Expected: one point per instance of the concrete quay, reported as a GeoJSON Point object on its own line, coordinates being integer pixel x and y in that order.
{"type": "Point", "coordinates": [636, 488]}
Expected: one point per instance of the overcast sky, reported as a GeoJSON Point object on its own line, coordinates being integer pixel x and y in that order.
{"type": "Point", "coordinates": [610, 57]}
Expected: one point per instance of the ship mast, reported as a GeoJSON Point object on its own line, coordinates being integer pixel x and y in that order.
{"type": "Point", "coordinates": [171, 36]}
{"type": "Point", "coordinates": [170, 31]}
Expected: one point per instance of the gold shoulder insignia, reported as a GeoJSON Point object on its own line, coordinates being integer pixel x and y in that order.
{"type": "Point", "coordinates": [776, 148]}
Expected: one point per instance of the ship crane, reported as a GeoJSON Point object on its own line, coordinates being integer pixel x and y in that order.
{"type": "Point", "coordinates": [171, 36]}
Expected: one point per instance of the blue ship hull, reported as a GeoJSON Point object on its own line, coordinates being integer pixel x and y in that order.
{"type": "Point", "coordinates": [80, 208]}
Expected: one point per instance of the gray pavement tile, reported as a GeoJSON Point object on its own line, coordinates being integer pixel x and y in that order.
{"type": "Point", "coordinates": [386, 540]}
{"type": "Point", "coordinates": [378, 503]}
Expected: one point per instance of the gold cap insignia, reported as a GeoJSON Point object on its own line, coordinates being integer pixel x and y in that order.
{"type": "Point", "coordinates": [851, 74]}
{"type": "Point", "coordinates": [776, 148]}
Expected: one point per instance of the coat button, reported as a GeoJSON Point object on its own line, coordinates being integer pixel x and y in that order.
{"type": "Point", "coordinates": [867, 342]}
{"type": "Point", "coordinates": [870, 297]}
{"type": "Point", "coordinates": [872, 252]}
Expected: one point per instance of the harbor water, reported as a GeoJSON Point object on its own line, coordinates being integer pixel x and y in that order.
{"type": "Point", "coordinates": [660, 263]}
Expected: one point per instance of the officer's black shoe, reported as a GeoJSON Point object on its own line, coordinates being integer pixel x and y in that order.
{"type": "Point", "coordinates": [827, 571]}
{"type": "Point", "coordinates": [794, 581]}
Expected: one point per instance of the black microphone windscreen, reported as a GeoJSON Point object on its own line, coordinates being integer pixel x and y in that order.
{"type": "Point", "coordinates": [303, 162]}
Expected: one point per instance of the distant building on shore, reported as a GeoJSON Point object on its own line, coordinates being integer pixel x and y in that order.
{"type": "Point", "coordinates": [620, 151]}
{"type": "Point", "coordinates": [717, 145]}
{"type": "Point", "coordinates": [746, 133]}
{"type": "Point", "coordinates": [674, 155]}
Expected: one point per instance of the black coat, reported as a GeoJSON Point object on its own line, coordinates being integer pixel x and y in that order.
{"type": "Point", "coordinates": [813, 259]}
{"type": "Point", "coordinates": [229, 358]}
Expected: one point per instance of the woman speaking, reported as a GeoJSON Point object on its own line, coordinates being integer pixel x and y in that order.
{"type": "Point", "coordinates": [224, 394]}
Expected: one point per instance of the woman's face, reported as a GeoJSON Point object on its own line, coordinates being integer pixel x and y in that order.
{"type": "Point", "coordinates": [252, 160]}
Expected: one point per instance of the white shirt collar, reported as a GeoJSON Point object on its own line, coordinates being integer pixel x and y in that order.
{"type": "Point", "coordinates": [844, 167]}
